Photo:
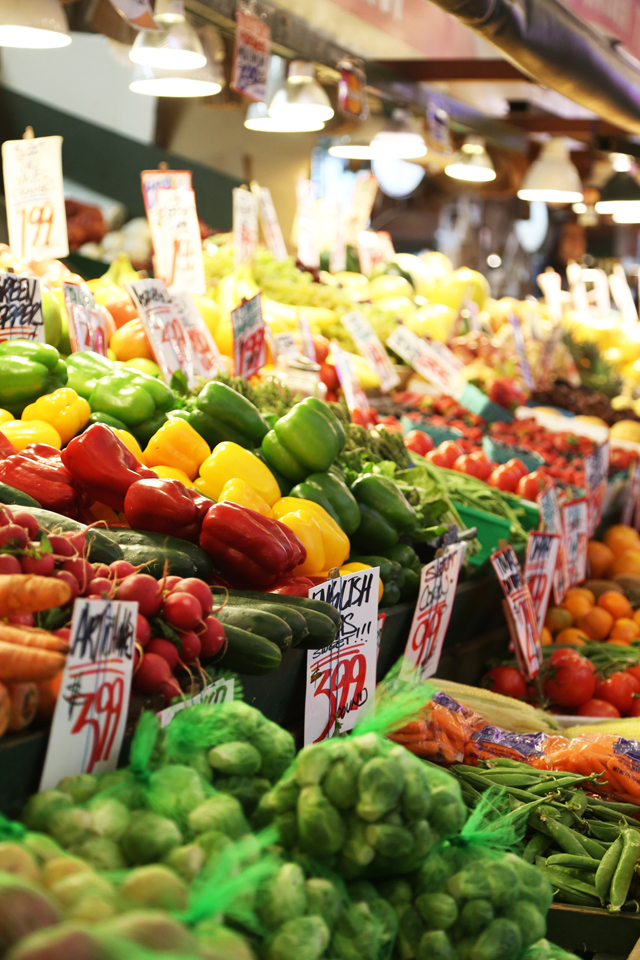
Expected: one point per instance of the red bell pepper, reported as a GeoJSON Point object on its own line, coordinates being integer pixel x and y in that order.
{"type": "Point", "coordinates": [294, 586]}
{"type": "Point", "coordinates": [103, 466]}
{"type": "Point", "coordinates": [248, 548]}
{"type": "Point", "coordinates": [38, 470]}
{"type": "Point", "coordinates": [7, 449]}
{"type": "Point", "coordinates": [165, 506]}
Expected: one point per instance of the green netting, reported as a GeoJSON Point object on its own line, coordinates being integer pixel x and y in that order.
{"type": "Point", "coordinates": [11, 829]}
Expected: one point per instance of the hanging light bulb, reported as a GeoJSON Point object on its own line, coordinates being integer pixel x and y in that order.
{"type": "Point", "coordinates": [258, 118]}
{"type": "Point", "coordinates": [299, 102]}
{"type": "Point", "coordinates": [35, 24]}
{"type": "Point", "coordinates": [175, 46]}
{"type": "Point", "coordinates": [205, 82]}
{"type": "Point", "coordinates": [552, 177]}
{"type": "Point", "coordinates": [398, 140]}
{"type": "Point", "coordinates": [347, 149]}
{"type": "Point", "coordinates": [620, 196]}
{"type": "Point", "coordinates": [471, 163]}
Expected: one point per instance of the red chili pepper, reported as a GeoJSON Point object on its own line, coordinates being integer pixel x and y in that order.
{"type": "Point", "coordinates": [103, 466]}
{"type": "Point", "coordinates": [38, 470]}
{"type": "Point", "coordinates": [165, 506]}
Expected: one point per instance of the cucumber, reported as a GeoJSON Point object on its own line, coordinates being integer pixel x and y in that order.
{"type": "Point", "coordinates": [10, 495]}
{"type": "Point", "coordinates": [143, 547]}
{"type": "Point", "coordinates": [249, 654]}
{"type": "Point", "coordinates": [300, 603]}
{"type": "Point", "coordinates": [102, 548]}
{"type": "Point", "coordinates": [256, 621]}
{"type": "Point", "coordinates": [295, 620]}
{"type": "Point", "coordinates": [322, 630]}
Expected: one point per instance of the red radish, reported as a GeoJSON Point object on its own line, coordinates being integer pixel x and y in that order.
{"type": "Point", "coordinates": [152, 674]}
{"type": "Point", "coordinates": [101, 570]}
{"type": "Point", "coordinates": [198, 589]}
{"type": "Point", "coordinates": [5, 516]}
{"type": "Point", "coordinates": [121, 569]}
{"type": "Point", "coordinates": [212, 638]}
{"type": "Point", "coordinates": [182, 611]}
{"type": "Point", "coordinates": [82, 570]}
{"type": "Point", "coordinates": [22, 619]}
{"type": "Point", "coordinates": [24, 519]}
{"type": "Point", "coordinates": [78, 542]}
{"type": "Point", "coordinates": [143, 631]}
{"type": "Point", "coordinates": [144, 589]}
{"type": "Point", "coordinates": [62, 546]}
{"type": "Point", "coordinates": [165, 649]}
{"type": "Point", "coordinates": [100, 585]}
{"type": "Point", "coordinates": [190, 646]}
{"type": "Point", "coordinates": [170, 690]}
{"type": "Point", "coordinates": [169, 583]}
{"type": "Point", "coordinates": [42, 565]}
{"type": "Point", "coordinates": [9, 564]}
{"type": "Point", "coordinates": [71, 580]}
{"type": "Point", "coordinates": [63, 632]}
{"type": "Point", "coordinates": [13, 535]}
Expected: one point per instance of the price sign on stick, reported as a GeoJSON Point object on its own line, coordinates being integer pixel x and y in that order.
{"type": "Point", "coordinates": [91, 710]}
{"type": "Point", "coordinates": [220, 691]}
{"type": "Point", "coordinates": [353, 393]}
{"type": "Point", "coordinates": [251, 56]}
{"type": "Point", "coordinates": [364, 195]}
{"type": "Point", "coordinates": [308, 245]}
{"type": "Point", "coordinates": [181, 258]}
{"type": "Point", "coordinates": [575, 523]}
{"type": "Point", "coordinates": [20, 308]}
{"type": "Point", "coordinates": [631, 509]}
{"type": "Point", "coordinates": [341, 678]}
{"type": "Point", "coordinates": [269, 221]}
{"type": "Point", "coordinates": [431, 359]}
{"type": "Point", "coordinates": [136, 12]}
{"type": "Point", "coordinates": [596, 473]}
{"type": "Point", "coordinates": [539, 568]}
{"type": "Point", "coordinates": [35, 198]}
{"type": "Point", "coordinates": [438, 581]}
{"type": "Point", "coordinates": [245, 227]}
{"type": "Point", "coordinates": [522, 615]}
{"type": "Point", "coordinates": [87, 326]}
{"type": "Point", "coordinates": [153, 183]}
{"type": "Point", "coordinates": [204, 354]}
{"type": "Point", "coordinates": [368, 343]}
{"type": "Point", "coordinates": [551, 520]}
{"type": "Point", "coordinates": [249, 347]}
{"type": "Point", "coordinates": [164, 327]}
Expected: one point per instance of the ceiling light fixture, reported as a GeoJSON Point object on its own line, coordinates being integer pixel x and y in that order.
{"type": "Point", "coordinates": [346, 149]}
{"type": "Point", "coordinates": [33, 24]}
{"type": "Point", "coordinates": [397, 178]}
{"type": "Point", "coordinates": [205, 82]}
{"type": "Point", "coordinates": [399, 140]}
{"type": "Point", "coordinates": [620, 196]}
{"type": "Point", "coordinates": [552, 178]}
{"type": "Point", "coordinates": [471, 163]}
{"type": "Point", "coordinates": [174, 46]}
{"type": "Point", "coordinates": [257, 117]}
{"type": "Point", "coordinates": [299, 102]}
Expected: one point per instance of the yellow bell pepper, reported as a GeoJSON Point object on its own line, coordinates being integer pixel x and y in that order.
{"type": "Point", "coordinates": [239, 491]}
{"type": "Point", "coordinates": [130, 443]}
{"type": "Point", "coordinates": [354, 567]}
{"type": "Point", "coordinates": [5, 416]}
{"type": "Point", "coordinates": [63, 409]}
{"type": "Point", "coordinates": [172, 473]}
{"type": "Point", "coordinates": [228, 462]}
{"type": "Point", "coordinates": [23, 432]}
{"type": "Point", "coordinates": [177, 444]}
{"type": "Point", "coordinates": [309, 531]}
{"type": "Point", "coordinates": [336, 543]}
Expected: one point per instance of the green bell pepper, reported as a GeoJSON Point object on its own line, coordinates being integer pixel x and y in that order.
{"type": "Point", "coordinates": [411, 565]}
{"type": "Point", "coordinates": [334, 495]}
{"type": "Point", "coordinates": [391, 575]}
{"type": "Point", "coordinates": [28, 370]}
{"type": "Point", "coordinates": [136, 399]}
{"type": "Point", "coordinates": [387, 512]}
{"type": "Point", "coordinates": [306, 440]}
{"type": "Point", "coordinates": [85, 369]}
{"type": "Point", "coordinates": [106, 418]}
{"type": "Point", "coordinates": [220, 413]}
{"type": "Point", "coordinates": [285, 486]}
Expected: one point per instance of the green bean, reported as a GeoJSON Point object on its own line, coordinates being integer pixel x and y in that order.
{"type": "Point", "coordinates": [578, 801]}
{"type": "Point", "coordinates": [604, 831]}
{"type": "Point", "coordinates": [557, 784]}
{"type": "Point", "coordinates": [607, 868]}
{"type": "Point", "coordinates": [569, 860]}
{"type": "Point", "coordinates": [571, 887]}
{"type": "Point", "coordinates": [538, 844]}
{"type": "Point", "coordinates": [629, 808]}
{"type": "Point", "coordinates": [566, 838]}
{"type": "Point", "coordinates": [625, 869]}
{"type": "Point", "coordinates": [593, 848]}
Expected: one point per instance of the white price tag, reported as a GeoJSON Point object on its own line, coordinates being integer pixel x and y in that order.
{"type": "Point", "coordinates": [438, 123]}
{"type": "Point", "coordinates": [249, 347]}
{"type": "Point", "coordinates": [522, 615]}
{"type": "Point", "coordinates": [220, 691]}
{"type": "Point", "coordinates": [245, 226]}
{"type": "Point", "coordinates": [518, 337]}
{"type": "Point", "coordinates": [87, 326]}
{"type": "Point", "coordinates": [596, 473]}
{"type": "Point", "coordinates": [551, 520]}
{"type": "Point", "coordinates": [20, 308]}
{"type": "Point", "coordinates": [308, 232]}
{"type": "Point", "coordinates": [204, 359]}
{"type": "Point", "coordinates": [539, 569]}
{"type": "Point", "coordinates": [91, 710]}
{"type": "Point", "coordinates": [306, 337]}
{"type": "Point", "coordinates": [153, 183]}
{"type": "Point", "coordinates": [285, 344]}
{"type": "Point", "coordinates": [269, 221]}
{"type": "Point", "coordinates": [354, 394]}
{"type": "Point", "coordinates": [34, 197]}
{"type": "Point", "coordinates": [550, 283]}
{"type": "Point", "coordinates": [138, 13]}
{"type": "Point", "coordinates": [431, 359]}
{"type": "Point", "coordinates": [251, 56]}
{"type": "Point", "coordinates": [338, 255]}
{"type": "Point", "coordinates": [631, 509]}
{"type": "Point", "coordinates": [341, 678]}
{"type": "Point", "coordinates": [364, 195]}
{"type": "Point", "coordinates": [621, 293]}
{"type": "Point", "coordinates": [164, 327]}
{"type": "Point", "coordinates": [575, 523]}
{"type": "Point", "coordinates": [438, 581]}
{"type": "Point", "coordinates": [368, 343]}
{"type": "Point", "coordinates": [181, 257]}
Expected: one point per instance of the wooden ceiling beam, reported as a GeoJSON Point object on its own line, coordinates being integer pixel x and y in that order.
{"type": "Point", "coordinates": [562, 126]}
{"type": "Point", "coordinates": [462, 69]}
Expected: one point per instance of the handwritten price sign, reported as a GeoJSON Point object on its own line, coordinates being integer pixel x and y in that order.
{"type": "Point", "coordinates": [341, 678]}
{"type": "Point", "coordinates": [308, 228]}
{"type": "Point", "coordinates": [251, 56]}
{"type": "Point", "coordinates": [153, 183]}
{"type": "Point", "coordinates": [220, 691]}
{"type": "Point", "coordinates": [269, 221]}
{"type": "Point", "coordinates": [539, 568]}
{"type": "Point", "coordinates": [551, 520]}
{"type": "Point", "coordinates": [245, 226]}
{"type": "Point", "coordinates": [353, 393]}
{"type": "Point", "coordinates": [438, 581]}
{"type": "Point", "coordinates": [432, 360]}
{"type": "Point", "coordinates": [91, 711]}
{"type": "Point", "coordinates": [631, 509]}
{"type": "Point", "coordinates": [35, 198]}
{"type": "Point", "coordinates": [87, 325]}
{"type": "Point", "coordinates": [249, 347]}
{"type": "Point", "coordinates": [164, 327]}
{"type": "Point", "coordinates": [522, 618]}
{"type": "Point", "coordinates": [596, 472]}
{"type": "Point", "coordinates": [575, 523]}
{"type": "Point", "coordinates": [20, 308]}
{"type": "Point", "coordinates": [205, 356]}
{"type": "Point", "coordinates": [182, 266]}
{"type": "Point", "coordinates": [136, 12]}
{"type": "Point", "coordinates": [368, 343]}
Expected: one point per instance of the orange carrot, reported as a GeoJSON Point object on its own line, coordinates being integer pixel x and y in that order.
{"type": "Point", "coordinates": [24, 703]}
{"type": "Point", "coordinates": [19, 664]}
{"type": "Point", "coordinates": [48, 691]}
{"type": "Point", "coordinates": [28, 593]}
{"type": "Point", "coordinates": [32, 637]}
{"type": "Point", "coordinates": [5, 709]}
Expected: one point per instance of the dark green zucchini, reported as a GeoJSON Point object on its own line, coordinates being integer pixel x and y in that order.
{"type": "Point", "coordinates": [152, 549]}
{"type": "Point", "coordinates": [300, 603]}
{"type": "Point", "coordinates": [249, 654]}
{"type": "Point", "coordinates": [10, 495]}
{"type": "Point", "coordinates": [102, 548]}
{"type": "Point", "coordinates": [256, 621]}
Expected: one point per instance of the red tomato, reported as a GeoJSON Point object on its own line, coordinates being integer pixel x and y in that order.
{"type": "Point", "coordinates": [635, 707]}
{"type": "Point", "coordinates": [570, 679]}
{"type": "Point", "coordinates": [634, 671]}
{"type": "Point", "coordinates": [466, 464]}
{"type": "Point", "coordinates": [530, 486]}
{"type": "Point", "coordinates": [451, 450]}
{"type": "Point", "coordinates": [598, 708]}
{"type": "Point", "coordinates": [418, 442]}
{"type": "Point", "coordinates": [518, 465]}
{"type": "Point", "coordinates": [507, 681]}
{"type": "Point", "coordinates": [484, 464]}
{"type": "Point", "coordinates": [437, 458]}
{"type": "Point", "coordinates": [504, 478]}
{"type": "Point", "coordinates": [358, 417]}
{"type": "Point", "coordinates": [617, 689]}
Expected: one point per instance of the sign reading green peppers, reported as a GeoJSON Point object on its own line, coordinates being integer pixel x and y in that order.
{"type": "Point", "coordinates": [306, 440]}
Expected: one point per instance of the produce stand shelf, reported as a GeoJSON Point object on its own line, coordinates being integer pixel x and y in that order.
{"type": "Point", "coordinates": [582, 930]}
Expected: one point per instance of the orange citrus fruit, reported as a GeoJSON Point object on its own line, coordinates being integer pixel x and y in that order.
{"type": "Point", "coordinates": [545, 637]}
{"type": "Point", "coordinates": [620, 538]}
{"type": "Point", "coordinates": [580, 592]}
{"type": "Point", "coordinates": [627, 562]}
{"type": "Point", "coordinates": [600, 558]}
{"type": "Point", "coordinates": [616, 604]}
{"type": "Point", "coordinates": [625, 630]}
{"type": "Point", "coordinates": [577, 606]}
{"type": "Point", "coordinates": [596, 623]}
{"type": "Point", "coordinates": [575, 637]}
{"type": "Point", "coordinates": [636, 615]}
{"type": "Point", "coordinates": [558, 619]}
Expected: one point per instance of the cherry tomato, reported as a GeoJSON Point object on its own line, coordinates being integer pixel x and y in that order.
{"type": "Point", "coordinates": [451, 450]}
{"type": "Point", "coordinates": [503, 478]}
{"type": "Point", "coordinates": [570, 679]}
{"type": "Point", "coordinates": [466, 464]}
{"type": "Point", "coordinates": [484, 464]}
{"type": "Point", "coordinates": [598, 708]}
{"type": "Point", "coordinates": [516, 464]}
{"type": "Point", "coordinates": [418, 442]}
{"type": "Point", "coordinates": [507, 681]}
{"type": "Point", "coordinates": [530, 486]}
{"type": "Point", "coordinates": [437, 458]}
{"type": "Point", "coordinates": [617, 689]}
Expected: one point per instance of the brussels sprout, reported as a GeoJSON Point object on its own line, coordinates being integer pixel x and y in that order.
{"type": "Point", "coordinates": [110, 817]}
{"type": "Point", "coordinates": [153, 929]}
{"type": "Point", "coordinates": [282, 897]}
{"type": "Point", "coordinates": [476, 915]}
{"type": "Point", "coordinates": [174, 791]}
{"type": "Point", "coordinates": [396, 891]}
{"type": "Point", "coordinates": [501, 940]}
{"type": "Point", "coordinates": [187, 860]}
{"type": "Point", "coordinates": [313, 763]}
{"type": "Point", "coordinates": [357, 933]}
{"type": "Point", "coordinates": [63, 940]}
{"type": "Point", "coordinates": [448, 812]}
{"type": "Point", "coordinates": [41, 806]}
{"type": "Point", "coordinates": [380, 784]}
{"type": "Point", "coordinates": [221, 812]}
{"type": "Point", "coordinates": [18, 861]}
{"type": "Point", "coordinates": [234, 720]}
{"type": "Point", "coordinates": [340, 784]}
{"type": "Point", "coordinates": [362, 890]}
{"type": "Point", "coordinates": [533, 926]}
{"type": "Point", "coordinates": [305, 938]}
{"type": "Point", "coordinates": [438, 910]}
{"type": "Point", "coordinates": [124, 786]}
{"type": "Point", "coordinates": [277, 749]}
{"type": "Point", "coordinates": [416, 794]}
{"type": "Point", "coordinates": [435, 873]}
{"type": "Point", "coordinates": [325, 900]}
{"type": "Point", "coordinates": [217, 942]}
{"type": "Point", "coordinates": [71, 826]}
{"type": "Point", "coordinates": [63, 866]}
{"type": "Point", "coordinates": [534, 886]}
{"type": "Point", "coordinates": [212, 842]}
{"type": "Point", "coordinates": [235, 759]}
{"type": "Point", "coordinates": [70, 890]}
{"type": "Point", "coordinates": [155, 886]}
{"type": "Point", "coordinates": [283, 797]}
{"type": "Point", "coordinates": [321, 829]}
{"type": "Point", "coordinates": [435, 945]}
{"type": "Point", "coordinates": [387, 919]}
{"type": "Point", "coordinates": [248, 791]}
{"type": "Point", "coordinates": [80, 787]}
{"type": "Point", "coordinates": [410, 930]}
{"type": "Point", "coordinates": [149, 837]}
{"type": "Point", "coordinates": [100, 853]}
{"type": "Point", "coordinates": [357, 852]}
{"type": "Point", "coordinates": [370, 745]}
{"type": "Point", "coordinates": [389, 841]}
{"type": "Point", "coordinates": [423, 840]}
{"type": "Point", "coordinates": [287, 826]}
{"type": "Point", "coordinates": [41, 846]}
